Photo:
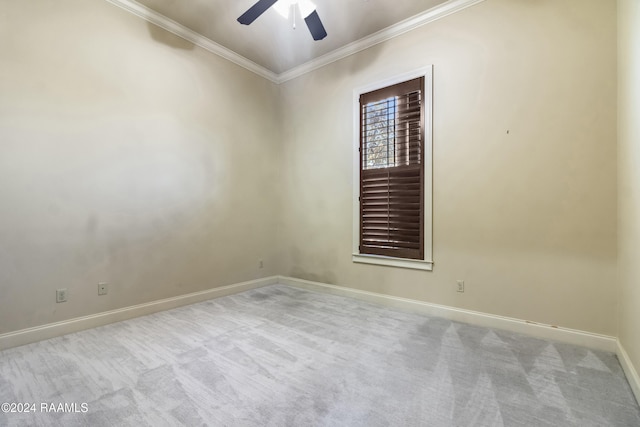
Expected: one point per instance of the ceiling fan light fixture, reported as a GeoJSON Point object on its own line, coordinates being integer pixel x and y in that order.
{"type": "Point", "coordinates": [307, 10]}
{"type": "Point", "coordinates": [283, 7]}
{"type": "Point", "coordinates": [307, 7]}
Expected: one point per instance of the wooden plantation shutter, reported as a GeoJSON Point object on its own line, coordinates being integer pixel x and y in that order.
{"type": "Point", "coordinates": [392, 171]}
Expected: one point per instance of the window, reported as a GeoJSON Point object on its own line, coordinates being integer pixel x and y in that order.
{"type": "Point", "coordinates": [392, 210]}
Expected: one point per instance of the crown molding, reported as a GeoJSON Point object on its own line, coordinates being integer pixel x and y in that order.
{"type": "Point", "coordinates": [435, 13]}
{"type": "Point", "coordinates": [383, 35]}
{"type": "Point", "coordinates": [180, 30]}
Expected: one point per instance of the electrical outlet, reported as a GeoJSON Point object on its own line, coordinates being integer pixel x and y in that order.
{"type": "Point", "coordinates": [103, 288]}
{"type": "Point", "coordinates": [460, 285]}
{"type": "Point", "coordinates": [61, 295]}
{"type": "Point", "coordinates": [260, 264]}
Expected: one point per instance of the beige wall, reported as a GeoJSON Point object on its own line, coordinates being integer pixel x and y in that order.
{"type": "Point", "coordinates": [629, 176]}
{"type": "Point", "coordinates": [528, 218]}
{"type": "Point", "coordinates": [127, 155]}
{"type": "Point", "coordinates": [130, 156]}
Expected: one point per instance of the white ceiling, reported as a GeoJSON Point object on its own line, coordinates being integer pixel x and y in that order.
{"type": "Point", "coordinates": [271, 42]}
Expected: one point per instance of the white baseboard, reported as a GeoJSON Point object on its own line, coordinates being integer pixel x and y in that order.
{"type": "Point", "coordinates": [571, 336]}
{"type": "Point", "coordinates": [51, 330]}
{"type": "Point", "coordinates": [629, 370]}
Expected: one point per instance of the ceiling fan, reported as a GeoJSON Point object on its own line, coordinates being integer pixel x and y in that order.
{"type": "Point", "coordinates": [283, 7]}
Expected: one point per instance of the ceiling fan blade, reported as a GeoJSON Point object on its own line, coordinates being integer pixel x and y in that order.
{"type": "Point", "coordinates": [315, 26]}
{"type": "Point", "coordinates": [255, 11]}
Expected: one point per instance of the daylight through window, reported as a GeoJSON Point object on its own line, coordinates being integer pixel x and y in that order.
{"type": "Point", "coordinates": [392, 171]}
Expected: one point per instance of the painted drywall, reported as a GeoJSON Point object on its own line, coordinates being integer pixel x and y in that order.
{"type": "Point", "coordinates": [130, 156]}
{"type": "Point", "coordinates": [127, 155]}
{"type": "Point", "coordinates": [524, 163]}
{"type": "Point", "coordinates": [629, 176]}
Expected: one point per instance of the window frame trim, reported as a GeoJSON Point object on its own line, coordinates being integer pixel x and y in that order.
{"type": "Point", "coordinates": [420, 264]}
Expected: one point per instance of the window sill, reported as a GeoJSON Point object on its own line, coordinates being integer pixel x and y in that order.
{"type": "Point", "coordinates": [393, 262]}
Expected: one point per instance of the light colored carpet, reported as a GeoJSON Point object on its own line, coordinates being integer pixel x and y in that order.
{"type": "Point", "coordinates": [281, 356]}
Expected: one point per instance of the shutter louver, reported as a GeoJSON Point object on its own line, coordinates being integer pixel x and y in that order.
{"type": "Point", "coordinates": [391, 172]}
